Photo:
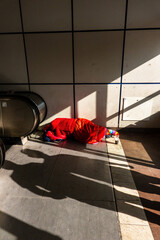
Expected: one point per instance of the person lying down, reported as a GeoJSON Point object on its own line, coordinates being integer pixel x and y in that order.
{"type": "Point", "coordinates": [80, 129]}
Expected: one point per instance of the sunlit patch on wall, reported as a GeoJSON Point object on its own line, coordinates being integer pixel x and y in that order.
{"type": "Point", "coordinates": [65, 113]}
{"type": "Point", "coordinates": [146, 72]}
{"type": "Point", "coordinates": [87, 106]}
{"type": "Point", "coordinates": [136, 109]}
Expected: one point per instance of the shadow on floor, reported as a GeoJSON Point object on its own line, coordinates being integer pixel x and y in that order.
{"type": "Point", "coordinates": [86, 180]}
{"type": "Point", "coordinates": [22, 230]}
{"type": "Point", "coordinates": [144, 146]}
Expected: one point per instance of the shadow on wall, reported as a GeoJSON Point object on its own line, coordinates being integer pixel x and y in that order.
{"type": "Point", "coordinates": [93, 64]}
{"type": "Point", "coordinates": [9, 85]}
{"type": "Point", "coordinates": [78, 178]}
{"type": "Point", "coordinates": [140, 62]}
{"type": "Point", "coordinates": [153, 118]}
{"type": "Point", "coordinates": [93, 107]}
{"type": "Point", "coordinates": [142, 52]}
{"type": "Point", "coordinates": [92, 103]}
{"type": "Point", "coordinates": [21, 230]}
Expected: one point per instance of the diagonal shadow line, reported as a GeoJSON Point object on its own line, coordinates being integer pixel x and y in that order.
{"type": "Point", "coordinates": [22, 230]}
{"type": "Point", "coordinates": [134, 105]}
{"type": "Point", "coordinates": [121, 157]}
{"type": "Point", "coordinates": [105, 154]}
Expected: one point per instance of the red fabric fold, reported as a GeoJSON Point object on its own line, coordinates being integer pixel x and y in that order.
{"type": "Point", "coordinates": [81, 129]}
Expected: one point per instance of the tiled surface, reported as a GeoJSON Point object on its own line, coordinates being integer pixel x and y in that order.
{"type": "Point", "coordinates": [131, 213]}
{"type": "Point", "coordinates": [12, 59]}
{"type": "Point", "coordinates": [95, 55]}
{"type": "Point", "coordinates": [133, 232]}
{"type": "Point", "coordinates": [149, 94]}
{"type": "Point", "coordinates": [25, 163]}
{"type": "Point", "coordinates": [92, 54]}
{"type": "Point", "coordinates": [10, 16]}
{"type": "Point", "coordinates": [65, 192]}
{"type": "Point", "coordinates": [112, 104]}
{"type": "Point", "coordinates": [102, 102]}
{"type": "Point", "coordinates": [49, 57]}
{"type": "Point", "coordinates": [68, 219]}
{"type": "Point", "coordinates": [141, 65]}
{"type": "Point", "coordinates": [71, 193]}
{"type": "Point", "coordinates": [94, 14]}
{"type": "Point", "coordinates": [142, 153]}
{"type": "Point", "coordinates": [59, 100]}
{"type": "Point", "coordinates": [13, 88]}
{"type": "Point", "coordinates": [126, 191]}
{"type": "Point", "coordinates": [130, 210]}
{"type": "Point", "coordinates": [84, 179]}
{"type": "Point", "coordinates": [143, 14]}
{"type": "Point", "coordinates": [49, 15]}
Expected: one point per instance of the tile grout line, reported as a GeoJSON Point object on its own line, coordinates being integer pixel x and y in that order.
{"type": "Point", "coordinates": [53, 170]}
{"type": "Point", "coordinates": [122, 62]}
{"type": "Point", "coordinates": [24, 46]}
{"type": "Point", "coordinates": [114, 195]}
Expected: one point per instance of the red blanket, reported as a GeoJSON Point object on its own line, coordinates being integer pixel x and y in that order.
{"type": "Point", "coordinates": [81, 129]}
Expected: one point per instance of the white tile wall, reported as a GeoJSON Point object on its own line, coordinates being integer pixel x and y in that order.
{"type": "Point", "coordinates": [12, 59]}
{"type": "Point", "coordinates": [98, 57]}
{"type": "Point", "coordinates": [48, 15]}
{"type": "Point", "coordinates": [98, 103]}
{"type": "Point", "coordinates": [95, 14]}
{"type": "Point", "coordinates": [50, 57]}
{"type": "Point", "coordinates": [14, 88]}
{"type": "Point", "coordinates": [143, 14]}
{"type": "Point", "coordinates": [142, 56]}
{"type": "Point", "coordinates": [10, 16]}
{"type": "Point", "coordinates": [149, 93]}
{"type": "Point", "coordinates": [112, 106]}
{"type": "Point", "coordinates": [59, 100]}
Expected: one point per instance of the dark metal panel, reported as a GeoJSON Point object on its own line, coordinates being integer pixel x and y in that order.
{"type": "Point", "coordinates": [1, 123]}
{"type": "Point", "coordinates": [2, 153]}
{"type": "Point", "coordinates": [21, 113]}
{"type": "Point", "coordinates": [38, 101]}
{"type": "Point", "coordinates": [19, 118]}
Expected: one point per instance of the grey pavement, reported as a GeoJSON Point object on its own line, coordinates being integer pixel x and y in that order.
{"type": "Point", "coordinates": [57, 191]}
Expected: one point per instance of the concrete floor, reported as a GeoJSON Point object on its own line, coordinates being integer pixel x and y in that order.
{"type": "Point", "coordinates": [70, 191]}
{"type": "Point", "coordinates": [142, 151]}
